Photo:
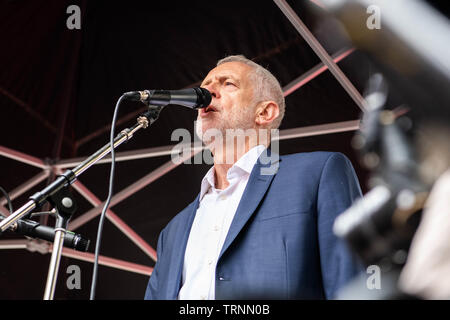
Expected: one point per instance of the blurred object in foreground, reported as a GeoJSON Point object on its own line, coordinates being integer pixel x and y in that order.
{"type": "Point", "coordinates": [382, 223]}
{"type": "Point", "coordinates": [427, 271]}
{"type": "Point", "coordinates": [406, 148]}
{"type": "Point", "coordinates": [410, 46]}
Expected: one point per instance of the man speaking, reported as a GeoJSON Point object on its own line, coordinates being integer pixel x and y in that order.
{"type": "Point", "coordinates": [254, 233]}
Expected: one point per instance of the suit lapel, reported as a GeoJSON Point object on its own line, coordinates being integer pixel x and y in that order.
{"type": "Point", "coordinates": [253, 194]}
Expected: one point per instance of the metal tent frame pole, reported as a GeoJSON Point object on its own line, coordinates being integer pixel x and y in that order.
{"type": "Point", "coordinates": [45, 247]}
{"type": "Point", "coordinates": [321, 53]}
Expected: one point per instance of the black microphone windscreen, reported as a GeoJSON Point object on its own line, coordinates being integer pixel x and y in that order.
{"type": "Point", "coordinates": [204, 97]}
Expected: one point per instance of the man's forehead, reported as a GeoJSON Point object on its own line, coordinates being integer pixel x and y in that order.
{"type": "Point", "coordinates": [233, 69]}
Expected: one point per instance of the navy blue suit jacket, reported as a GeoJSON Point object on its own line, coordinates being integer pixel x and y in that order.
{"type": "Point", "coordinates": [280, 244]}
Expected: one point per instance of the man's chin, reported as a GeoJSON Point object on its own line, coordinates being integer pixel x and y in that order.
{"type": "Point", "coordinates": [208, 134]}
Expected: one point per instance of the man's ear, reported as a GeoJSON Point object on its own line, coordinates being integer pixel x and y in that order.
{"type": "Point", "coordinates": [267, 112]}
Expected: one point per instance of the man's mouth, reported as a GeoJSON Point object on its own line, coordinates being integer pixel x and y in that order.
{"type": "Point", "coordinates": [205, 111]}
{"type": "Point", "coordinates": [210, 109]}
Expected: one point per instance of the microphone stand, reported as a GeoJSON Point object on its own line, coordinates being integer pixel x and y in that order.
{"type": "Point", "coordinates": [65, 206]}
{"type": "Point", "coordinates": [58, 195]}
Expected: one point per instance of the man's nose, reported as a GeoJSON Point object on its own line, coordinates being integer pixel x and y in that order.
{"type": "Point", "coordinates": [213, 89]}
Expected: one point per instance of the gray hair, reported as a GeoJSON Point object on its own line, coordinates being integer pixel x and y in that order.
{"type": "Point", "coordinates": [267, 86]}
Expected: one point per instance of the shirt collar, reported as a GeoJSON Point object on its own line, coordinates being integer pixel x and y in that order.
{"type": "Point", "coordinates": [243, 166]}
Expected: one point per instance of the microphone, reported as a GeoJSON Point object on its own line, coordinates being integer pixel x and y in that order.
{"type": "Point", "coordinates": [193, 98]}
{"type": "Point", "coordinates": [33, 229]}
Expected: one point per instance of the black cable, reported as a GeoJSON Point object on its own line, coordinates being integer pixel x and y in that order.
{"type": "Point", "coordinates": [7, 199]}
{"type": "Point", "coordinates": [108, 200]}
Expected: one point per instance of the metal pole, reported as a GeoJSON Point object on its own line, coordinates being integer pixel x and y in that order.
{"type": "Point", "coordinates": [54, 264]}
{"type": "Point", "coordinates": [321, 53]}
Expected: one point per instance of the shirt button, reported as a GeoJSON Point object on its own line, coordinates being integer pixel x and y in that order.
{"type": "Point", "coordinates": [203, 297]}
{"type": "Point", "coordinates": [216, 228]}
{"type": "Point", "coordinates": [210, 261]}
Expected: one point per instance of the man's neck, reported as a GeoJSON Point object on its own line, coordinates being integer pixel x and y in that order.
{"type": "Point", "coordinates": [224, 159]}
{"type": "Point", "coordinates": [220, 175]}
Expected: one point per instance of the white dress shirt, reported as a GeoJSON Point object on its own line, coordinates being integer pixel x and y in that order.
{"type": "Point", "coordinates": [210, 227]}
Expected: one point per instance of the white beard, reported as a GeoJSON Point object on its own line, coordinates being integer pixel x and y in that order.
{"type": "Point", "coordinates": [242, 119]}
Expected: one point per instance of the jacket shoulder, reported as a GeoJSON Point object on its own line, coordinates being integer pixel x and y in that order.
{"type": "Point", "coordinates": [317, 158]}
